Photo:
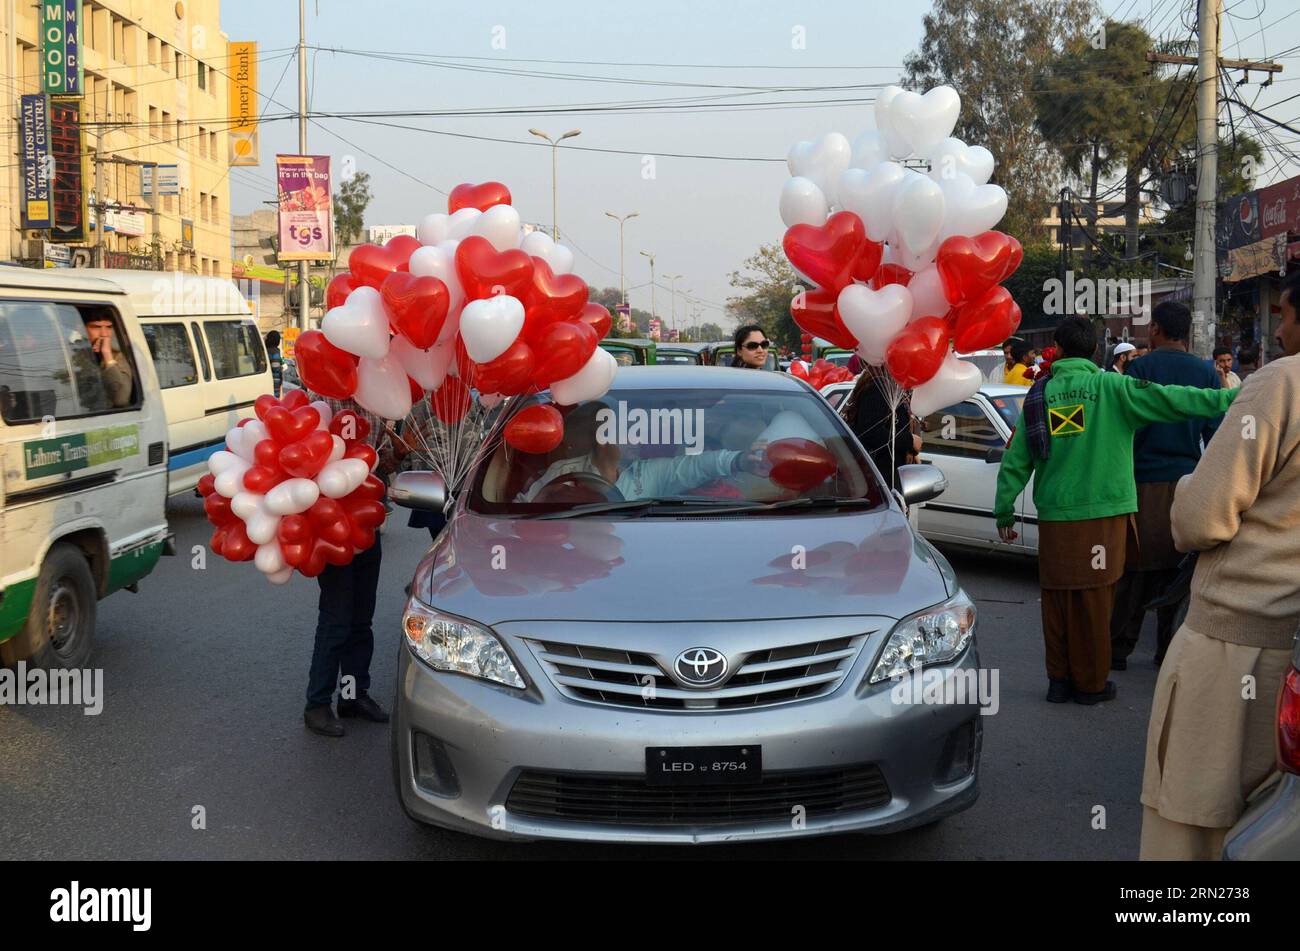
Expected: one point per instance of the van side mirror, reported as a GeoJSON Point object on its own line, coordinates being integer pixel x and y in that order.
{"type": "Point", "coordinates": [425, 491]}
{"type": "Point", "coordinates": [921, 483]}
{"type": "Point", "coordinates": [994, 455]}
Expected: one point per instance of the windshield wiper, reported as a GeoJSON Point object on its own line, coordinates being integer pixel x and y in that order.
{"type": "Point", "coordinates": [786, 504]}
{"type": "Point", "coordinates": [641, 505]}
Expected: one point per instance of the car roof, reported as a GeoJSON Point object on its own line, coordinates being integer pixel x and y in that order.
{"type": "Point", "coordinates": [698, 377]}
{"type": "Point", "coordinates": [178, 292]}
{"type": "Point", "coordinates": [986, 389]}
{"type": "Point", "coordinates": [56, 279]}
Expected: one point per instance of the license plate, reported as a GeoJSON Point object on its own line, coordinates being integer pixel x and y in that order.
{"type": "Point", "coordinates": [703, 765]}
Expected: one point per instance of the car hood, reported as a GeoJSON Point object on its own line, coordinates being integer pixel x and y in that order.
{"type": "Point", "coordinates": [495, 570]}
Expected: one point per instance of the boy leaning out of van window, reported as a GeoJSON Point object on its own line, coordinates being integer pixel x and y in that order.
{"type": "Point", "coordinates": [113, 367]}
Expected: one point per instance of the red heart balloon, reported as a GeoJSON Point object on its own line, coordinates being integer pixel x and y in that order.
{"type": "Point", "coordinates": [535, 429]}
{"type": "Point", "coordinates": [328, 520]}
{"type": "Point", "coordinates": [370, 264]}
{"type": "Point", "coordinates": [337, 555]}
{"type": "Point", "coordinates": [295, 554]}
{"type": "Point", "coordinates": [867, 263]}
{"type": "Point", "coordinates": [917, 351]}
{"type": "Point", "coordinates": [267, 454]}
{"type": "Point", "coordinates": [485, 272]}
{"type": "Point", "coordinates": [799, 464]}
{"type": "Point", "coordinates": [372, 488]}
{"type": "Point", "coordinates": [207, 484]}
{"type": "Point", "coordinates": [416, 306]}
{"type": "Point", "coordinates": [598, 316]}
{"type": "Point", "coordinates": [363, 452]}
{"type": "Point", "coordinates": [417, 391]}
{"type": "Point", "coordinates": [264, 404]}
{"type": "Point", "coordinates": [986, 321]}
{"type": "Point", "coordinates": [338, 289]}
{"type": "Point", "coordinates": [295, 530]}
{"type": "Point", "coordinates": [237, 545]}
{"type": "Point", "coordinates": [509, 374]}
{"type": "Point", "coordinates": [970, 266]}
{"type": "Point", "coordinates": [451, 401]}
{"type": "Point", "coordinates": [365, 513]}
{"type": "Point", "coordinates": [826, 254]}
{"type": "Point", "coordinates": [323, 367]}
{"type": "Point", "coordinates": [349, 426]}
{"type": "Point", "coordinates": [359, 538]}
{"type": "Point", "coordinates": [217, 507]}
{"type": "Point", "coordinates": [286, 427]}
{"type": "Point", "coordinates": [218, 541]}
{"type": "Point", "coordinates": [482, 196]}
{"type": "Point", "coordinates": [799, 368]}
{"type": "Point", "coordinates": [892, 274]}
{"type": "Point", "coordinates": [815, 312]}
{"type": "Point", "coordinates": [563, 350]}
{"type": "Point", "coordinates": [551, 297]}
{"type": "Point", "coordinates": [295, 399]}
{"type": "Point", "coordinates": [261, 479]}
{"type": "Point", "coordinates": [306, 457]}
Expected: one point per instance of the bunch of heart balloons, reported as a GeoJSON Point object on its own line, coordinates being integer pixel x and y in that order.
{"type": "Point", "coordinates": [906, 267]}
{"type": "Point", "coordinates": [293, 489]}
{"type": "Point", "coordinates": [471, 304]}
{"type": "Point", "coordinates": [820, 372]}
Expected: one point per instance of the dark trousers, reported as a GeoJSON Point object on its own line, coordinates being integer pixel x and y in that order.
{"type": "Point", "coordinates": [1076, 635]}
{"type": "Point", "coordinates": [345, 639]}
{"type": "Point", "coordinates": [1134, 591]}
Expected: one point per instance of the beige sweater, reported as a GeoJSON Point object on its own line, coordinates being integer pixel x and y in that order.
{"type": "Point", "coordinates": [1241, 510]}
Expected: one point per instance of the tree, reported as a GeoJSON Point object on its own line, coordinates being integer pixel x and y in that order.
{"type": "Point", "coordinates": [610, 298]}
{"type": "Point", "coordinates": [770, 283]}
{"type": "Point", "coordinates": [993, 53]}
{"type": "Point", "coordinates": [350, 208]}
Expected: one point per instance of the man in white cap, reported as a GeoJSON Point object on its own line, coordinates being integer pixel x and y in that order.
{"type": "Point", "coordinates": [1124, 352]}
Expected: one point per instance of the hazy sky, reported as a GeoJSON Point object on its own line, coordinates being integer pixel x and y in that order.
{"type": "Point", "coordinates": [702, 217]}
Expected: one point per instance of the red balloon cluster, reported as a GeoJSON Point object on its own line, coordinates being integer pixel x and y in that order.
{"type": "Point", "coordinates": [820, 373]}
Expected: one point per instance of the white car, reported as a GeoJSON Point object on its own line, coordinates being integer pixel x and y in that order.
{"type": "Point", "coordinates": [967, 441]}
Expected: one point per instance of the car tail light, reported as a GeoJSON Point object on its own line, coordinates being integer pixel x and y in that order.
{"type": "Point", "coordinates": [1288, 723]}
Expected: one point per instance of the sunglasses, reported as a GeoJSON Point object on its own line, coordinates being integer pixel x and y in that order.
{"type": "Point", "coordinates": [758, 345]}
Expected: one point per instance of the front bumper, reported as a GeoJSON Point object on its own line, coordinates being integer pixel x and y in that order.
{"type": "Point", "coordinates": [460, 745]}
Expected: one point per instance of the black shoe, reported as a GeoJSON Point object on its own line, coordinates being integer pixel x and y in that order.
{"type": "Point", "coordinates": [1059, 691]}
{"type": "Point", "coordinates": [1119, 663]}
{"type": "Point", "coordinates": [364, 707]}
{"type": "Point", "coordinates": [322, 721]}
{"type": "Point", "coordinates": [1106, 693]}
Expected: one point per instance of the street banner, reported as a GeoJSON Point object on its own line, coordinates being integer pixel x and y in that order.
{"type": "Point", "coordinates": [287, 341]}
{"type": "Point", "coordinates": [187, 234]}
{"type": "Point", "coordinates": [61, 69]}
{"type": "Point", "coordinates": [36, 160]}
{"type": "Point", "coordinates": [243, 103]}
{"type": "Point", "coordinates": [1237, 222]}
{"type": "Point", "coordinates": [68, 194]}
{"type": "Point", "coordinates": [1279, 208]}
{"type": "Point", "coordinates": [306, 218]}
{"type": "Point", "coordinates": [167, 178]}
{"type": "Point", "coordinates": [1263, 257]}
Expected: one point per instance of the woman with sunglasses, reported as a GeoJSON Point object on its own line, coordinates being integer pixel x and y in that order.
{"type": "Point", "coordinates": [752, 347]}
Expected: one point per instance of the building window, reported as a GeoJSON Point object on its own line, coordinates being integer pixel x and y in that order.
{"type": "Point", "coordinates": [180, 67]}
{"type": "Point", "coordinates": [165, 59]}
{"type": "Point", "coordinates": [153, 122]}
{"type": "Point", "coordinates": [203, 206]}
{"type": "Point", "coordinates": [119, 40]}
{"type": "Point", "coordinates": [203, 144]}
{"type": "Point", "coordinates": [214, 207]}
{"type": "Point", "coordinates": [178, 131]}
{"type": "Point", "coordinates": [203, 75]}
{"type": "Point", "coordinates": [212, 146]}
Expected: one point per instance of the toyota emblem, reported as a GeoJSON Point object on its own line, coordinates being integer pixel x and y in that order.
{"type": "Point", "coordinates": [700, 666]}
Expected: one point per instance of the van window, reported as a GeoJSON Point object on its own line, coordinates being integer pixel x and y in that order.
{"type": "Point", "coordinates": [202, 348]}
{"type": "Point", "coordinates": [48, 367]}
{"type": "Point", "coordinates": [173, 358]}
{"type": "Point", "coordinates": [236, 348]}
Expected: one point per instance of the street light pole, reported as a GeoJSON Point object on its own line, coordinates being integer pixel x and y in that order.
{"type": "Point", "coordinates": [304, 289]}
{"type": "Point", "coordinates": [622, 279]}
{"type": "Point", "coordinates": [555, 147]}
{"type": "Point", "coordinates": [654, 315]}
{"type": "Point", "coordinates": [673, 297]}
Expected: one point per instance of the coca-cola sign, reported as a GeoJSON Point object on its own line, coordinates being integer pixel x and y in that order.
{"type": "Point", "coordinates": [1279, 208]}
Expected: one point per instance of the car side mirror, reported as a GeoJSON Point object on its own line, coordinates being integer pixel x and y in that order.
{"type": "Point", "coordinates": [995, 454]}
{"type": "Point", "coordinates": [921, 483]}
{"type": "Point", "coordinates": [426, 491]}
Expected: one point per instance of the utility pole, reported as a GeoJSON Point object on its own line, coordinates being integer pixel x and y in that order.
{"type": "Point", "coordinates": [622, 279]}
{"type": "Point", "coordinates": [1204, 252]}
{"type": "Point", "coordinates": [654, 314]}
{"type": "Point", "coordinates": [304, 286]}
{"type": "Point", "coordinates": [673, 292]}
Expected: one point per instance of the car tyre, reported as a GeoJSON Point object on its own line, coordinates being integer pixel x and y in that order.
{"type": "Point", "coordinates": [60, 627]}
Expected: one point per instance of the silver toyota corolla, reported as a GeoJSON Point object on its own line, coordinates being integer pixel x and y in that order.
{"type": "Point", "coordinates": [699, 618]}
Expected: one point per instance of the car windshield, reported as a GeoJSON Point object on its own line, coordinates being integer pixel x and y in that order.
{"type": "Point", "coordinates": [1008, 408]}
{"type": "Point", "coordinates": [640, 451]}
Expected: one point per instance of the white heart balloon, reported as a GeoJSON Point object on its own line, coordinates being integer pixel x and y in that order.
{"type": "Point", "coordinates": [339, 447]}
{"type": "Point", "coordinates": [292, 497]}
{"type": "Point", "coordinates": [500, 225]}
{"type": "Point", "coordinates": [955, 381]}
{"type": "Point", "coordinates": [223, 459]}
{"type": "Point", "coordinates": [874, 317]}
{"type": "Point", "coordinates": [326, 414]}
{"type": "Point", "coordinates": [488, 327]}
{"type": "Point", "coordinates": [269, 559]}
{"type": "Point", "coordinates": [953, 157]}
{"type": "Point", "coordinates": [235, 440]}
{"type": "Point", "coordinates": [591, 381]}
{"type": "Point", "coordinates": [246, 504]}
{"type": "Point", "coordinates": [539, 244]}
{"type": "Point", "coordinates": [802, 202]}
{"type": "Point", "coordinates": [821, 162]}
{"type": "Point", "coordinates": [426, 367]}
{"type": "Point", "coordinates": [282, 576]}
{"type": "Point", "coordinates": [382, 387]}
{"type": "Point", "coordinates": [436, 262]}
{"type": "Point", "coordinates": [918, 213]}
{"type": "Point", "coordinates": [869, 150]}
{"type": "Point", "coordinates": [928, 297]}
{"type": "Point", "coordinates": [461, 224]}
{"type": "Point", "coordinates": [359, 325]}
{"type": "Point", "coordinates": [261, 528]}
{"type": "Point", "coordinates": [230, 480]}
{"type": "Point", "coordinates": [341, 478]}
{"type": "Point", "coordinates": [970, 209]}
{"type": "Point", "coordinates": [433, 229]}
{"type": "Point", "coordinates": [870, 194]}
{"type": "Point", "coordinates": [895, 144]}
{"type": "Point", "coordinates": [925, 121]}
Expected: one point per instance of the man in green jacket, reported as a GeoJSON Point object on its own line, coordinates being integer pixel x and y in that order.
{"type": "Point", "coordinates": [1075, 437]}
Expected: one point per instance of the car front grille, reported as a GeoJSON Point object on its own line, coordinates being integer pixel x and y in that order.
{"type": "Point", "coordinates": [615, 800]}
{"type": "Point", "coordinates": [765, 677]}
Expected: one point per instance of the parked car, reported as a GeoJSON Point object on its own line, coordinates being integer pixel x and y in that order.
{"type": "Point", "coordinates": [681, 354]}
{"type": "Point", "coordinates": [631, 352]}
{"type": "Point", "coordinates": [83, 468]}
{"type": "Point", "coordinates": [967, 441]}
{"type": "Point", "coordinates": [721, 353]}
{"type": "Point", "coordinates": [1270, 827]}
{"type": "Point", "coordinates": [650, 660]}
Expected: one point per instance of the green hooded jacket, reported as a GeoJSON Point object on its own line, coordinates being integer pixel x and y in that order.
{"type": "Point", "coordinates": [1091, 418]}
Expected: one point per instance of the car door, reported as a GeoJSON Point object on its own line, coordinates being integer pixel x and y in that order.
{"type": "Point", "coordinates": [966, 442]}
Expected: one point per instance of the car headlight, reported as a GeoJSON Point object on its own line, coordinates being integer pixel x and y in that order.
{"type": "Point", "coordinates": [933, 636]}
{"type": "Point", "coordinates": [453, 644]}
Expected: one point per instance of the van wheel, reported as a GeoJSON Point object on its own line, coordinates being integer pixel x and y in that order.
{"type": "Point", "coordinates": [61, 623]}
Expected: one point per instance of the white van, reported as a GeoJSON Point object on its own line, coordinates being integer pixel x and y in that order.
{"type": "Point", "coordinates": [209, 357]}
{"type": "Point", "coordinates": [83, 461]}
